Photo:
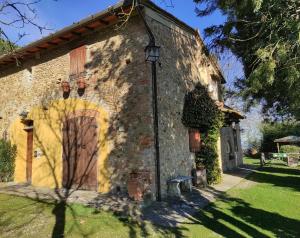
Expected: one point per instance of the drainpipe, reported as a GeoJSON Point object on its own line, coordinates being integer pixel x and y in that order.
{"type": "Point", "coordinates": [154, 104]}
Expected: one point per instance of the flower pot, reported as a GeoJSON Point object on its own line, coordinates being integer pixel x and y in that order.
{"type": "Point", "coordinates": [139, 184]}
{"type": "Point", "coordinates": [81, 83]}
{"type": "Point", "coordinates": [201, 179]}
{"type": "Point", "coordinates": [135, 189]}
{"type": "Point", "coordinates": [65, 86]}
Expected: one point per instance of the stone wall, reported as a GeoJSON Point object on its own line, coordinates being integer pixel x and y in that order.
{"type": "Point", "coordinates": [118, 80]}
{"type": "Point", "coordinates": [182, 65]}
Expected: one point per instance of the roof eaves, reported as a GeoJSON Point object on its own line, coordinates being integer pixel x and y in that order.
{"type": "Point", "coordinates": [226, 109]}
{"type": "Point", "coordinates": [156, 8]}
{"type": "Point", "coordinates": [65, 30]}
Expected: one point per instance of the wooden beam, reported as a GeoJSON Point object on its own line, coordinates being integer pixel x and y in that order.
{"type": "Point", "coordinates": [8, 61]}
{"type": "Point", "coordinates": [41, 48]}
{"type": "Point", "coordinates": [64, 38]}
{"type": "Point", "coordinates": [51, 43]}
{"type": "Point", "coordinates": [89, 28]}
{"type": "Point", "coordinates": [76, 33]}
{"type": "Point", "coordinates": [103, 22]}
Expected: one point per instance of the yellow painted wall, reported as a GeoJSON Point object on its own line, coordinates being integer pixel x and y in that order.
{"type": "Point", "coordinates": [47, 169]}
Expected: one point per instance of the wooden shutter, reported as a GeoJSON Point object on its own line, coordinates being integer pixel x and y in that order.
{"type": "Point", "coordinates": [195, 140]}
{"type": "Point", "coordinates": [77, 60]}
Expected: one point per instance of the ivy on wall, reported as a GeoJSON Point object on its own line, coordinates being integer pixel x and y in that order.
{"type": "Point", "coordinates": [201, 112]}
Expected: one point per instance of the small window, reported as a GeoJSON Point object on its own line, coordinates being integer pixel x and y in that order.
{"type": "Point", "coordinates": [194, 140]}
{"type": "Point", "coordinates": [77, 61]}
{"type": "Point", "coordinates": [229, 150]}
{"type": "Point", "coordinates": [228, 147]}
{"type": "Point", "coordinates": [236, 147]}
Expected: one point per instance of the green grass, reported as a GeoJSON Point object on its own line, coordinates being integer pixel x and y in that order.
{"type": "Point", "coordinates": [251, 161]}
{"type": "Point", "coordinates": [22, 217]}
{"type": "Point", "coordinates": [266, 204]}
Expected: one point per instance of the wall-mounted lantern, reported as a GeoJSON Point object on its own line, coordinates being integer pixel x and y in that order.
{"type": "Point", "coordinates": [152, 53]}
{"type": "Point", "coordinates": [210, 89]}
{"type": "Point", "coordinates": [24, 114]}
{"type": "Point", "coordinates": [65, 86]}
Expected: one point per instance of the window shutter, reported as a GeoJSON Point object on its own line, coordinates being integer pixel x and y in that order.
{"type": "Point", "coordinates": [195, 140]}
{"type": "Point", "coordinates": [77, 60]}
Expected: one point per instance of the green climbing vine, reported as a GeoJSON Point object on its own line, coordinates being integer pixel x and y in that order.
{"type": "Point", "coordinates": [201, 112]}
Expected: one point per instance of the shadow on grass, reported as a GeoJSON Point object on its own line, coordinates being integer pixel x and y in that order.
{"type": "Point", "coordinates": [147, 230]}
{"type": "Point", "coordinates": [234, 217]}
{"type": "Point", "coordinates": [281, 170]}
{"type": "Point", "coordinates": [59, 211]}
{"type": "Point", "coordinates": [277, 175]}
{"type": "Point", "coordinates": [273, 222]}
{"type": "Point", "coordinates": [242, 220]}
{"type": "Point", "coordinates": [25, 214]}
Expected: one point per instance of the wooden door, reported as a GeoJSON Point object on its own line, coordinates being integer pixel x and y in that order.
{"type": "Point", "coordinates": [80, 149]}
{"type": "Point", "coordinates": [29, 155]}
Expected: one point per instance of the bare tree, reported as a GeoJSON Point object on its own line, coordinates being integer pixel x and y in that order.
{"type": "Point", "coordinates": [17, 14]}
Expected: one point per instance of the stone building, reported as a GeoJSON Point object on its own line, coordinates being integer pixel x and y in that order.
{"type": "Point", "coordinates": [85, 108]}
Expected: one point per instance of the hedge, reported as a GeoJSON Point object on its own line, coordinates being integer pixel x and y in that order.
{"type": "Point", "coordinates": [289, 149]}
{"type": "Point", "coordinates": [7, 160]}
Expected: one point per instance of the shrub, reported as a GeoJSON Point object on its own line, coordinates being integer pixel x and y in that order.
{"type": "Point", "coordinates": [199, 110]}
{"type": "Point", "coordinates": [290, 149]}
{"type": "Point", "coordinates": [7, 160]}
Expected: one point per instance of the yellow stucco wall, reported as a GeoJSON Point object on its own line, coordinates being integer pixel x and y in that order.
{"type": "Point", "coordinates": [47, 169]}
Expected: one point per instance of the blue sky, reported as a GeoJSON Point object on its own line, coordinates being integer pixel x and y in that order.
{"type": "Point", "coordinates": [56, 14]}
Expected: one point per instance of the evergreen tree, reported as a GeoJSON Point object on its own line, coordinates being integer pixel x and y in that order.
{"type": "Point", "coordinates": [265, 36]}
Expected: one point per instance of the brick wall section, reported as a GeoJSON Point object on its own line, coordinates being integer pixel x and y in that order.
{"type": "Point", "coordinates": [118, 80]}
{"type": "Point", "coordinates": [183, 64]}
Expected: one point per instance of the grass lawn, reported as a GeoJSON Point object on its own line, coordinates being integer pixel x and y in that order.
{"type": "Point", "coordinates": [22, 217]}
{"type": "Point", "coordinates": [267, 204]}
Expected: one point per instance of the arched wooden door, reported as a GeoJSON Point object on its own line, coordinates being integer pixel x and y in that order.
{"type": "Point", "coordinates": [80, 149]}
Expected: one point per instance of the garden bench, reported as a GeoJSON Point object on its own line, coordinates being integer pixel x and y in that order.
{"type": "Point", "coordinates": [292, 159]}
{"type": "Point", "coordinates": [174, 185]}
